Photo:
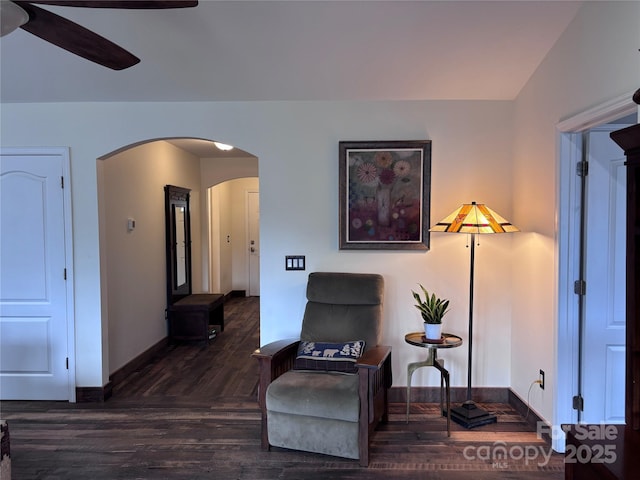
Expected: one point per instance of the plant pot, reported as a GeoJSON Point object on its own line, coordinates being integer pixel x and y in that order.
{"type": "Point", "coordinates": [433, 331]}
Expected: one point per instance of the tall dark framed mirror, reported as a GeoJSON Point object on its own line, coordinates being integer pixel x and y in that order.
{"type": "Point", "coordinates": [178, 235]}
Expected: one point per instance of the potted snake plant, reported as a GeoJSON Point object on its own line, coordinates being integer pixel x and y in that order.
{"type": "Point", "coordinates": [432, 309]}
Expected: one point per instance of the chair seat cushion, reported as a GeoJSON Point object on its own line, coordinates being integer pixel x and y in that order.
{"type": "Point", "coordinates": [315, 394]}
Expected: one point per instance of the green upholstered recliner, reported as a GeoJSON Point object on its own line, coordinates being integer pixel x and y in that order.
{"type": "Point", "coordinates": [321, 411]}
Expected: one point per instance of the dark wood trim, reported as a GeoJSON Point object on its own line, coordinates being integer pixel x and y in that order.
{"type": "Point", "coordinates": [121, 374]}
{"type": "Point", "coordinates": [102, 394]}
{"type": "Point", "coordinates": [398, 394]}
{"type": "Point", "coordinates": [531, 418]}
{"type": "Point", "coordinates": [482, 394]}
{"type": "Point", "coordinates": [94, 394]}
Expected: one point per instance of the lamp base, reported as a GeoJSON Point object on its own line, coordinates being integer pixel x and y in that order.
{"type": "Point", "coordinates": [469, 415]}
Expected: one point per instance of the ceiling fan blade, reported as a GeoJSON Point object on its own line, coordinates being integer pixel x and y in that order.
{"type": "Point", "coordinates": [122, 4]}
{"type": "Point", "coordinates": [75, 39]}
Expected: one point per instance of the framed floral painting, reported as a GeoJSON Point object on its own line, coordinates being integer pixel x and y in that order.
{"type": "Point", "coordinates": [385, 195]}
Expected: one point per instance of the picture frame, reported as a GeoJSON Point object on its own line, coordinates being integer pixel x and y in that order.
{"type": "Point", "coordinates": [385, 194]}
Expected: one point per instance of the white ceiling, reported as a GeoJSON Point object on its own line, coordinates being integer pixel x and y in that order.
{"type": "Point", "coordinates": [295, 50]}
{"type": "Point", "coordinates": [207, 149]}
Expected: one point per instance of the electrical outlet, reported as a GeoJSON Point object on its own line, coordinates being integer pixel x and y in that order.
{"type": "Point", "coordinates": [541, 379]}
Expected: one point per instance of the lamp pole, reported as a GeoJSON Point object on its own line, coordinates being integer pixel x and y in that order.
{"type": "Point", "coordinates": [469, 415]}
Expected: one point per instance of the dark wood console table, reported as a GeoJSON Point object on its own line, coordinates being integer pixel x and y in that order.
{"type": "Point", "coordinates": [190, 317]}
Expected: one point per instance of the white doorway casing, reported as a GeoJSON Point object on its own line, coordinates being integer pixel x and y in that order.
{"type": "Point", "coordinates": [567, 254]}
{"type": "Point", "coordinates": [253, 231]}
{"type": "Point", "coordinates": [37, 360]}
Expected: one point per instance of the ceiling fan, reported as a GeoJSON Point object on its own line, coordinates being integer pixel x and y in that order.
{"type": "Point", "coordinates": [71, 36]}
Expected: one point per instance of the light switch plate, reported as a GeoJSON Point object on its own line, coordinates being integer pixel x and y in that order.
{"type": "Point", "coordinates": [294, 262]}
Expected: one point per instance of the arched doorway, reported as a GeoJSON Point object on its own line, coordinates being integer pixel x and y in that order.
{"type": "Point", "coordinates": [131, 184]}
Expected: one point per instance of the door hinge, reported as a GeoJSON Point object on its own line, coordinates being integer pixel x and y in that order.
{"type": "Point", "coordinates": [65, 274]}
{"type": "Point", "coordinates": [67, 361]}
{"type": "Point", "coordinates": [61, 182]}
{"type": "Point", "coordinates": [578, 403]}
{"type": "Point", "coordinates": [582, 168]}
{"type": "Point", "coordinates": [580, 287]}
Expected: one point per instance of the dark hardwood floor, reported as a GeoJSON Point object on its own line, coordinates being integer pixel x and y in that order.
{"type": "Point", "coordinates": [192, 414]}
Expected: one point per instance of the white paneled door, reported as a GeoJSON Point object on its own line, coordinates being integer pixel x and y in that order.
{"type": "Point", "coordinates": [605, 265]}
{"type": "Point", "coordinates": [34, 321]}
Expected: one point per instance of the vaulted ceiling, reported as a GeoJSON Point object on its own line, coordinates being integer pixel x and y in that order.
{"type": "Point", "coordinates": [295, 50]}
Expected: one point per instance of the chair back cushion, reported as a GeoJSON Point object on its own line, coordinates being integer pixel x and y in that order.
{"type": "Point", "coordinates": [343, 307]}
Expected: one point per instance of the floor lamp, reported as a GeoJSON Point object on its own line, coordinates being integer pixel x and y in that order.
{"type": "Point", "coordinates": [472, 218]}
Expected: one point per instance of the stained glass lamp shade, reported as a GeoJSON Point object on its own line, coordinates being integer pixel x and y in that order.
{"type": "Point", "coordinates": [474, 218]}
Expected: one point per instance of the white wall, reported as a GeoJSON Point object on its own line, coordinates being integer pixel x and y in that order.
{"type": "Point", "coordinates": [239, 227]}
{"type": "Point", "coordinates": [227, 238]}
{"type": "Point", "coordinates": [223, 237]}
{"type": "Point", "coordinates": [134, 261]}
{"type": "Point", "coordinates": [594, 61]}
{"type": "Point", "coordinates": [299, 207]}
{"type": "Point", "coordinates": [216, 196]}
{"type": "Point", "coordinates": [471, 161]}
{"type": "Point", "coordinates": [218, 170]}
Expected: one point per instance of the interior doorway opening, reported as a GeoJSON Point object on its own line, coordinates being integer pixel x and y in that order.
{"type": "Point", "coordinates": [234, 237]}
{"type": "Point", "coordinates": [579, 136]}
{"type": "Point", "coordinates": [131, 185]}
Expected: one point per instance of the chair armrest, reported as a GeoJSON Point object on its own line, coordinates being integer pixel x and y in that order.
{"type": "Point", "coordinates": [276, 348]}
{"type": "Point", "coordinates": [374, 357]}
{"type": "Point", "coordinates": [274, 359]}
{"type": "Point", "coordinates": [375, 378]}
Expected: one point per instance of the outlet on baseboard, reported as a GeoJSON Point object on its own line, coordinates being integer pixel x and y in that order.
{"type": "Point", "coordinates": [541, 379]}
